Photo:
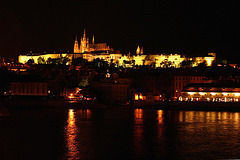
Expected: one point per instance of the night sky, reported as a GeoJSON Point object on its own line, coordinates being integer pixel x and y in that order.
{"type": "Point", "coordinates": [161, 26]}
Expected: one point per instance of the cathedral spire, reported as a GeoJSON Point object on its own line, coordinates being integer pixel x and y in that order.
{"type": "Point", "coordinates": [84, 34]}
{"type": "Point", "coordinates": [76, 48]}
{"type": "Point", "coordinates": [93, 40]}
{"type": "Point", "coordinates": [141, 52]}
{"type": "Point", "coordinates": [138, 50]}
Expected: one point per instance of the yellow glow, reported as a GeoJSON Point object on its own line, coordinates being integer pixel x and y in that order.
{"type": "Point", "coordinates": [213, 93]}
{"type": "Point", "coordinates": [136, 96]}
{"type": "Point", "coordinates": [160, 116]}
{"type": "Point", "coordinates": [237, 94]}
{"type": "Point", "coordinates": [209, 60]}
{"type": "Point", "coordinates": [180, 98]}
{"type": "Point", "coordinates": [202, 93]}
{"type": "Point", "coordinates": [225, 94]}
{"type": "Point", "coordinates": [191, 93]}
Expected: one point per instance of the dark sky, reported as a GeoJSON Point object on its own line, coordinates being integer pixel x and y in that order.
{"type": "Point", "coordinates": [190, 27]}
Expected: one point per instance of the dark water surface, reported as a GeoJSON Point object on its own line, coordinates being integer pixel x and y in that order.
{"type": "Point", "coordinates": [119, 133]}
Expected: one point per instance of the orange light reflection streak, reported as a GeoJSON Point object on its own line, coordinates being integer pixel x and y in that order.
{"type": "Point", "coordinates": [71, 136]}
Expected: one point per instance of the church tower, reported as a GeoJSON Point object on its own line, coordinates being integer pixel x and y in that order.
{"type": "Point", "coordinates": [141, 52]}
{"type": "Point", "coordinates": [138, 50]}
{"type": "Point", "coordinates": [93, 40]}
{"type": "Point", "coordinates": [76, 47]}
{"type": "Point", "coordinates": [84, 43]}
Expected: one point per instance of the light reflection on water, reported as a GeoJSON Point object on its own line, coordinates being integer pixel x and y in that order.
{"type": "Point", "coordinates": [158, 133]}
{"type": "Point", "coordinates": [210, 117]}
{"type": "Point", "coordinates": [160, 116]}
{"type": "Point", "coordinates": [138, 130]}
{"type": "Point", "coordinates": [71, 131]}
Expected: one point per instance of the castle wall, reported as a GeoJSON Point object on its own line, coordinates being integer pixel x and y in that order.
{"type": "Point", "coordinates": [24, 58]}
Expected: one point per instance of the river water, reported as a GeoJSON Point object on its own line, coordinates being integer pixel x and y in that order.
{"type": "Point", "coordinates": [119, 133]}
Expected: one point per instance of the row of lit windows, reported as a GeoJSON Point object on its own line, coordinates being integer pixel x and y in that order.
{"type": "Point", "coordinates": [213, 89]}
{"type": "Point", "coordinates": [29, 84]}
{"type": "Point", "coordinates": [28, 91]}
{"type": "Point", "coordinates": [188, 78]}
{"type": "Point", "coordinates": [213, 93]}
{"type": "Point", "coordinates": [225, 99]}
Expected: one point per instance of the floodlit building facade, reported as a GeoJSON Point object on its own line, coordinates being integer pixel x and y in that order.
{"type": "Point", "coordinates": [214, 92]}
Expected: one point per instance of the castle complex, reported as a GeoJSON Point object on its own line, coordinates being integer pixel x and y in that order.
{"type": "Point", "coordinates": [91, 51]}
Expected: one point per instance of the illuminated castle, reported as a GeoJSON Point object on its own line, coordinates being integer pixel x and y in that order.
{"type": "Point", "coordinates": [91, 51]}
{"type": "Point", "coordinates": [86, 46]}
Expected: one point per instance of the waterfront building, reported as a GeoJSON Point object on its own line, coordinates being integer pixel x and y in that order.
{"type": "Point", "coordinates": [181, 81]}
{"type": "Point", "coordinates": [17, 67]}
{"type": "Point", "coordinates": [25, 85]}
{"type": "Point", "coordinates": [215, 92]}
{"type": "Point", "coordinates": [113, 89]}
{"type": "Point", "coordinates": [164, 84]}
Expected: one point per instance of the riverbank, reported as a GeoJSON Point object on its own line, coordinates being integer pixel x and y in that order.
{"type": "Point", "coordinates": [198, 106]}
{"type": "Point", "coordinates": [48, 103]}
{"type": "Point", "coordinates": [171, 105]}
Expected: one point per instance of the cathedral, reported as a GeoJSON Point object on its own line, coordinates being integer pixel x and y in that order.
{"type": "Point", "coordinates": [85, 46]}
{"type": "Point", "coordinates": [91, 51]}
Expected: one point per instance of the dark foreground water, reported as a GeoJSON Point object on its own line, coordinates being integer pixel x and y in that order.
{"type": "Point", "coordinates": [119, 133]}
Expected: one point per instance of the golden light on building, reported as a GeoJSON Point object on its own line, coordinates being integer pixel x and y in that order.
{"type": "Point", "coordinates": [138, 50]}
{"type": "Point", "coordinates": [237, 94]}
{"type": "Point", "coordinates": [220, 92]}
{"type": "Point", "coordinates": [135, 96]}
{"type": "Point", "coordinates": [213, 93]}
{"type": "Point", "coordinates": [139, 96]}
{"type": "Point", "coordinates": [225, 94]}
{"type": "Point", "coordinates": [209, 60]}
{"type": "Point", "coordinates": [202, 93]}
